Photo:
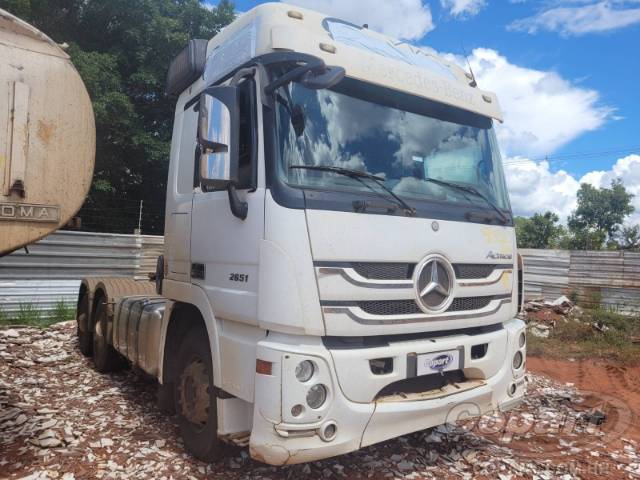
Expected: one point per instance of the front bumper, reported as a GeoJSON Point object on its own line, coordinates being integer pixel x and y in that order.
{"type": "Point", "coordinates": [279, 438]}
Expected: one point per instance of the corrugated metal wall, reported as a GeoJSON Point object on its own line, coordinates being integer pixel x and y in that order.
{"type": "Point", "coordinates": [54, 266]}
{"type": "Point", "coordinates": [546, 273]}
{"type": "Point", "coordinates": [607, 278]}
{"type": "Point", "coordinates": [52, 269]}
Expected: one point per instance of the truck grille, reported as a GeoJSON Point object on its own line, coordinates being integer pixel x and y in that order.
{"type": "Point", "coordinates": [462, 304]}
{"type": "Point", "coordinates": [470, 271]}
{"type": "Point", "coordinates": [384, 271]}
{"type": "Point", "coordinates": [404, 271]}
{"type": "Point", "coordinates": [390, 307]}
{"type": "Point", "coordinates": [410, 307]}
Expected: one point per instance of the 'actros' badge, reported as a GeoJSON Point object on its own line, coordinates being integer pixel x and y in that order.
{"type": "Point", "coordinates": [499, 256]}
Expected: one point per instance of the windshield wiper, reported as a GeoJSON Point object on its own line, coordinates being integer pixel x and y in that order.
{"type": "Point", "coordinates": [359, 175]}
{"type": "Point", "coordinates": [472, 190]}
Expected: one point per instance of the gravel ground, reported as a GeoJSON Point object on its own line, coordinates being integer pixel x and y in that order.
{"type": "Point", "coordinates": [59, 418]}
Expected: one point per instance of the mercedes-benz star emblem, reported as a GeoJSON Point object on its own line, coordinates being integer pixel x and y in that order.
{"type": "Point", "coordinates": [433, 281]}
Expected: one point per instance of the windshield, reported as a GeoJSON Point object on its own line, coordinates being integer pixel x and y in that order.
{"type": "Point", "coordinates": [404, 141]}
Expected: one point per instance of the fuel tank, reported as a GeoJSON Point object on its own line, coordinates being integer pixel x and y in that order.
{"type": "Point", "coordinates": [47, 135]}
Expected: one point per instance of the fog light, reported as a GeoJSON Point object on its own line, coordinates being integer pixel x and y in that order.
{"type": "Point", "coordinates": [304, 370]}
{"type": "Point", "coordinates": [316, 396]}
{"type": "Point", "coordinates": [522, 340]}
{"type": "Point", "coordinates": [512, 390]}
{"type": "Point", "coordinates": [328, 431]}
{"type": "Point", "coordinates": [517, 360]}
{"type": "Point", "coordinates": [297, 410]}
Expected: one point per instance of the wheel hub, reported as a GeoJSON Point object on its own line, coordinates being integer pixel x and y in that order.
{"type": "Point", "coordinates": [194, 393]}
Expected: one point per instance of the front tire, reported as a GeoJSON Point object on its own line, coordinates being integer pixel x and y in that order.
{"type": "Point", "coordinates": [195, 399]}
{"type": "Point", "coordinates": [105, 358]}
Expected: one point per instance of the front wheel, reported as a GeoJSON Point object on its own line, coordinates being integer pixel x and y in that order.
{"type": "Point", "coordinates": [195, 398]}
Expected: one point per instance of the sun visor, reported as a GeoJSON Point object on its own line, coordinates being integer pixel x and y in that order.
{"type": "Point", "coordinates": [360, 37]}
{"type": "Point", "coordinates": [374, 60]}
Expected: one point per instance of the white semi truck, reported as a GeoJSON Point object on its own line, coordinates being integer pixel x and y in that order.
{"type": "Point", "coordinates": [340, 261]}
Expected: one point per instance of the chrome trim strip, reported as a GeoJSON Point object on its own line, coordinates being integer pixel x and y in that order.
{"type": "Point", "coordinates": [350, 275]}
{"type": "Point", "coordinates": [365, 283]}
{"type": "Point", "coordinates": [480, 282]}
{"type": "Point", "coordinates": [413, 318]}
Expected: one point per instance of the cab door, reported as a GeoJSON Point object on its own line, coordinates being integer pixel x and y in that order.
{"type": "Point", "coordinates": [225, 248]}
{"type": "Point", "coordinates": [180, 187]}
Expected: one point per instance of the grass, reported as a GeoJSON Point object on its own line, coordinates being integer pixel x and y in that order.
{"type": "Point", "coordinates": [31, 314]}
{"type": "Point", "coordinates": [576, 337]}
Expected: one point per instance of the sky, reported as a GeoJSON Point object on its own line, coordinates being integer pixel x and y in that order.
{"type": "Point", "coordinates": [566, 72]}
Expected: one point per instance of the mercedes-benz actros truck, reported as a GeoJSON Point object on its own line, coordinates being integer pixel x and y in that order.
{"type": "Point", "coordinates": [340, 262]}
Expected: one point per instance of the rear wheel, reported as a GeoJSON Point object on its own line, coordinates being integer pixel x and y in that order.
{"type": "Point", "coordinates": [105, 358]}
{"type": "Point", "coordinates": [195, 399]}
{"type": "Point", "coordinates": [85, 337]}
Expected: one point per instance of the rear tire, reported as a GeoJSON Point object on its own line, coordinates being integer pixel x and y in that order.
{"type": "Point", "coordinates": [85, 337]}
{"type": "Point", "coordinates": [195, 399]}
{"type": "Point", "coordinates": [105, 358]}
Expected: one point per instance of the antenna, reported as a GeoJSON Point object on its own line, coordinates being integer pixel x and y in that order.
{"type": "Point", "coordinates": [473, 82]}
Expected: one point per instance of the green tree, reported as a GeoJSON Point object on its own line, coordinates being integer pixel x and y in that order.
{"type": "Point", "coordinates": [628, 238]}
{"type": "Point", "coordinates": [122, 50]}
{"type": "Point", "coordinates": [599, 215]}
{"type": "Point", "coordinates": [539, 231]}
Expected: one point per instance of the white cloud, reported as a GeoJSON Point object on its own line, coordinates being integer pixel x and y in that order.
{"type": "Point", "coordinates": [463, 8]}
{"type": "Point", "coordinates": [626, 169]}
{"type": "Point", "coordinates": [542, 110]}
{"type": "Point", "coordinates": [404, 19]}
{"type": "Point", "coordinates": [577, 18]}
{"type": "Point", "coordinates": [534, 188]}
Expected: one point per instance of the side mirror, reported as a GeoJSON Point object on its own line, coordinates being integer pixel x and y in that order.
{"type": "Point", "coordinates": [219, 140]}
{"type": "Point", "coordinates": [218, 131]}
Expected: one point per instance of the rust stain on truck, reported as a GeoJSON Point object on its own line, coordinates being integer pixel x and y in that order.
{"type": "Point", "coordinates": [45, 131]}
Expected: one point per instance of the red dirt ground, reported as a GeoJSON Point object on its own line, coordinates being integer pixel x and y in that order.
{"type": "Point", "coordinates": [617, 381]}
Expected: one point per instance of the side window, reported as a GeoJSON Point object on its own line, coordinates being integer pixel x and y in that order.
{"type": "Point", "coordinates": [248, 150]}
{"type": "Point", "coordinates": [186, 156]}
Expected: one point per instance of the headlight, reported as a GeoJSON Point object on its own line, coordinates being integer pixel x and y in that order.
{"type": "Point", "coordinates": [316, 396]}
{"type": "Point", "coordinates": [517, 360]}
{"type": "Point", "coordinates": [304, 370]}
{"type": "Point", "coordinates": [522, 340]}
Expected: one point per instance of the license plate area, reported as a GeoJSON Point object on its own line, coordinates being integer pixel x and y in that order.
{"type": "Point", "coordinates": [437, 362]}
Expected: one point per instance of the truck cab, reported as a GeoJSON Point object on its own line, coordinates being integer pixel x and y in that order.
{"type": "Point", "coordinates": [340, 261]}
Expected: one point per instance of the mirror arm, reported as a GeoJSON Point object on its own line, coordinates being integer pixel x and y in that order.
{"type": "Point", "coordinates": [208, 145]}
{"type": "Point", "coordinates": [293, 75]}
{"type": "Point", "coordinates": [238, 207]}
{"type": "Point", "coordinates": [242, 73]}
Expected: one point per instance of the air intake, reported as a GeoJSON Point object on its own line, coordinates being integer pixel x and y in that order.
{"type": "Point", "coordinates": [187, 66]}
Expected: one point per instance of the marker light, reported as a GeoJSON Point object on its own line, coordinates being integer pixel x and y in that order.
{"type": "Point", "coordinates": [263, 367]}
{"type": "Point", "coordinates": [297, 410]}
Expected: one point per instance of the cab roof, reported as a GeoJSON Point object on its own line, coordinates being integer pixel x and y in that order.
{"type": "Point", "coordinates": [364, 54]}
